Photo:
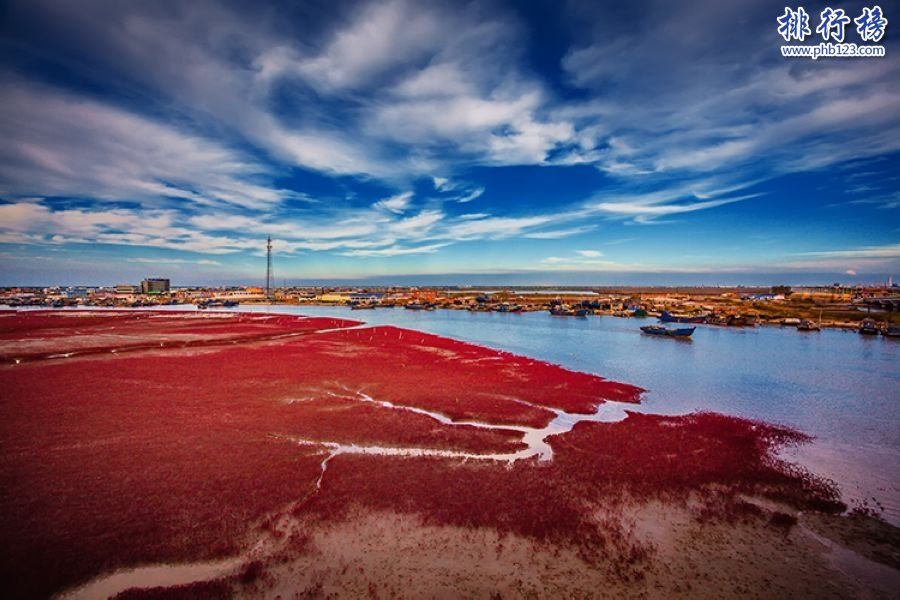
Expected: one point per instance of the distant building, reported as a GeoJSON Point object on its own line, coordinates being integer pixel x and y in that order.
{"type": "Point", "coordinates": [334, 297]}
{"type": "Point", "coordinates": [155, 286]}
{"type": "Point", "coordinates": [365, 296]}
{"type": "Point", "coordinates": [127, 288]}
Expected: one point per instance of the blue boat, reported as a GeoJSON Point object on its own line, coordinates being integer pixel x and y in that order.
{"type": "Point", "coordinates": [558, 310]}
{"type": "Point", "coordinates": [667, 317]}
{"type": "Point", "coordinates": [665, 331]}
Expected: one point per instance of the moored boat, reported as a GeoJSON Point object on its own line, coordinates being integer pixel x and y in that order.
{"type": "Point", "coordinates": [808, 325]}
{"type": "Point", "coordinates": [892, 331]}
{"type": "Point", "coordinates": [868, 327]}
{"type": "Point", "coordinates": [667, 317]}
{"type": "Point", "coordinates": [559, 310]}
{"type": "Point", "coordinates": [419, 306]}
{"type": "Point", "coordinates": [682, 332]}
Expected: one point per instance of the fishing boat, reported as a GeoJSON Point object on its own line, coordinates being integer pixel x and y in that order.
{"type": "Point", "coordinates": [739, 321]}
{"type": "Point", "coordinates": [868, 327]}
{"type": "Point", "coordinates": [667, 317]}
{"type": "Point", "coordinates": [892, 331]}
{"type": "Point", "coordinates": [509, 308]}
{"type": "Point", "coordinates": [358, 306]}
{"type": "Point", "coordinates": [419, 306]}
{"type": "Point", "coordinates": [808, 325]}
{"type": "Point", "coordinates": [560, 310]}
{"type": "Point", "coordinates": [683, 332]}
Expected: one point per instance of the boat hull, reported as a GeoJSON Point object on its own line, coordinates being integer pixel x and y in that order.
{"type": "Point", "coordinates": [684, 332]}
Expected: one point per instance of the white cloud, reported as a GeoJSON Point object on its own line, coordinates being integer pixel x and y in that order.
{"type": "Point", "coordinates": [473, 195]}
{"type": "Point", "coordinates": [885, 251]}
{"type": "Point", "coordinates": [379, 37]}
{"type": "Point", "coordinates": [395, 251]}
{"type": "Point", "coordinates": [55, 144]}
{"type": "Point", "coordinates": [395, 204]}
{"type": "Point", "coordinates": [555, 234]}
{"type": "Point", "coordinates": [495, 227]}
{"type": "Point", "coordinates": [173, 261]}
{"type": "Point", "coordinates": [589, 253]}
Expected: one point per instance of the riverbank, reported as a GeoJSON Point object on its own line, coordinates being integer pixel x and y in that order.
{"type": "Point", "coordinates": [322, 429]}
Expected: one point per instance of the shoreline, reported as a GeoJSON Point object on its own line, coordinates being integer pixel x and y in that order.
{"type": "Point", "coordinates": [882, 318]}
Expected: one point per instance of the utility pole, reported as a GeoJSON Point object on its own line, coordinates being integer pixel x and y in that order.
{"type": "Point", "coordinates": [269, 269]}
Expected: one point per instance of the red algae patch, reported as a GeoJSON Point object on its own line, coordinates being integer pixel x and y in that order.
{"type": "Point", "coordinates": [465, 381]}
{"type": "Point", "coordinates": [137, 458]}
{"type": "Point", "coordinates": [37, 335]}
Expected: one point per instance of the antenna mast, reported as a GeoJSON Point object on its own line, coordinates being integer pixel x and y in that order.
{"type": "Point", "coordinates": [269, 268]}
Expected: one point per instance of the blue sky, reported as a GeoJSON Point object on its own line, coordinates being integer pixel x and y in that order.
{"type": "Point", "coordinates": [441, 142]}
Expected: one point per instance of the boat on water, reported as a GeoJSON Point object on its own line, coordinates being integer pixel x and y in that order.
{"type": "Point", "coordinates": [367, 306]}
{"type": "Point", "coordinates": [230, 303]}
{"type": "Point", "coordinates": [419, 306]}
{"type": "Point", "coordinates": [808, 325]}
{"type": "Point", "coordinates": [667, 317]}
{"type": "Point", "coordinates": [560, 310]}
{"type": "Point", "coordinates": [509, 308]}
{"type": "Point", "coordinates": [892, 331]}
{"type": "Point", "coordinates": [868, 327]}
{"type": "Point", "coordinates": [681, 332]}
{"type": "Point", "coordinates": [740, 321]}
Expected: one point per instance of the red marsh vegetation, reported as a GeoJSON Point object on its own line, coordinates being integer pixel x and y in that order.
{"type": "Point", "coordinates": [112, 460]}
{"type": "Point", "coordinates": [36, 335]}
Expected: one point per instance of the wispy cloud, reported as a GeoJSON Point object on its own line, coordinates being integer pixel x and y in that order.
{"type": "Point", "coordinates": [395, 251]}
{"type": "Point", "coordinates": [395, 204]}
{"type": "Point", "coordinates": [886, 251]}
{"type": "Point", "coordinates": [173, 261]}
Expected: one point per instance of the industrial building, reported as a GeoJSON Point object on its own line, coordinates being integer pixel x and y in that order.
{"type": "Point", "coordinates": [155, 286]}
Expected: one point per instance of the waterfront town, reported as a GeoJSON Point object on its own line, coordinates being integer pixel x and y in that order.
{"type": "Point", "coordinates": [822, 306]}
